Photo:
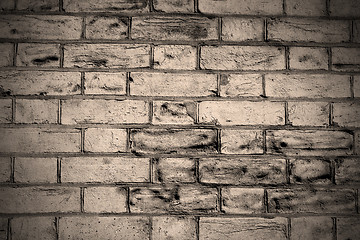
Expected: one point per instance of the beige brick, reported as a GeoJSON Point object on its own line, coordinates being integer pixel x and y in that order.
{"type": "Point", "coordinates": [106, 6]}
{"type": "Point", "coordinates": [344, 8]}
{"type": "Point", "coordinates": [6, 6]}
{"type": "Point", "coordinates": [312, 228]}
{"type": "Point", "coordinates": [174, 228]}
{"type": "Point", "coordinates": [357, 86]}
{"type": "Point", "coordinates": [42, 228]}
{"type": "Point", "coordinates": [347, 171]}
{"type": "Point", "coordinates": [241, 85]}
{"type": "Point", "coordinates": [107, 55]}
{"type": "Point", "coordinates": [242, 58]}
{"type": "Point", "coordinates": [308, 58]}
{"type": "Point", "coordinates": [105, 169]}
{"type": "Point", "coordinates": [35, 170]}
{"type": "Point", "coordinates": [105, 83]}
{"type": "Point", "coordinates": [357, 142]}
{"type": "Point", "coordinates": [244, 7]}
{"type": "Point", "coordinates": [105, 199]}
{"type": "Point", "coordinates": [105, 140]}
{"type": "Point", "coordinates": [348, 228]}
{"type": "Point", "coordinates": [234, 141]}
{"type": "Point", "coordinates": [308, 113]}
{"type": "Point", "coordinates": [106, 27]}
{"type": "Point", "coordinates": [3, 224]}
{"type": "Point", "coordinates": [307, 86]}
{"type": "Point", "coordinates": [170, 112]}
{"type": "Point", "coordinates": [39, 55]}
{"type": "Point", "coordinates": [305, 8]}
{"type": "Point", "coordinates": [39, 199]}
{"type": "Point", "coordinates": [54, 27]}
{"type": "Point", "coordinates": [356, 31]}
{"type": "Point", "coordinates": [242, 113]}
{"type": "Point", "coordinates": [212, 228]}
{"type": "Point", "coordinates": [5, 110]}
{"type": "Point", "coordinates": [35, 140]}
{"type": "Point", "coordinates": [308, 30]}
{"type": "Point", "coordinates": [36, 111]}
{"type": "Point", "coordinates": [242, 200]}
{"type": "Point", "coordinates": [178, 6]}
{"type": "Point", "coordinates": [37, 5]}
{"type": "Point", "coordinates": [171, 84]}
{"type": "Point", "coordinates": [6, 53]}
{"type": "Point", "coordinates": [242, 29]}
{"type": "Point", "coordinates": [175, 57]}
{"type": "Point", "coordinates": [309, 171]}
{"type": "Point", "coordinates": [174, 28]}
{"type": "Point", "coordinates": [346, 114]}
{"type": "Point", "coordinates": [5, 169]}
{"type": "Point", "coordinates": [346, 59]}
{"type": "Point", "coordinates": [173, 170]}
{"type": "Point", "coordinates": [76, 111]}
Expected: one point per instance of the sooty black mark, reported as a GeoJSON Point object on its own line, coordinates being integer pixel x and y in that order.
{"type": "Point", "coordinates": [45, 60]}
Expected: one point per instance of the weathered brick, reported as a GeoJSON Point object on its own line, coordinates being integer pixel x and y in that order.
{"type": "Point", "coordinates": [94, 227]}
{"type": "Point", "coordinates": [242, 113]}
{"type": "Point", "coordinates": [35, 170]}
{"type": "Point", "coordinates": [356, 31]}
{"type": "Point", "coordinates": [178, 6]}
{"type": "Point", "coordinates": [346, 59]}
{"type": "Point", "coordinates": [308, 113]}
{"type": "Point", "coordinates": [5, 169]}
{"type": "Point", "coordinates": [357, 142]}
{"type": "Point", "coordinates": [308, 30]}
{"type": "Point", "coordinates": [39, 83]}
{"type": "Point", "coordinates": [308, 58]}
{"type": "Point", "coordinates": [5, 110]}
{"type": "Point", "coordinates": [348, 228]}
{"type": "Point", "coordinates": [212, 228]}
{"type": "Point", "coordinates": [36, 111]}
{"type": "Point", "coordinates": [37, 5]}
{"type": "Point", "coordinates": [54, 27]}
{"type": "Point", "coordinates": [179, 141]}
{"type": "Point", "coordinates": [242, 58]}
{"type": "Point", "coordinates": [171, 84]}
{"type": "Point", "coordinates": [175, 57]}
{"type": "Point", "coordinates": [310, 171]}
{"type": "Point", "coordinates": [106, 27]}
{"type": "Point", "coordinates": [311, 201]}
{"type": "Point", "coordinates": [309, 142]}
{"type": "Point", "coordinates": [105, 169]}
{"type": "Point", "coordinates": [105, 140]}
{"type": "Point", "coordinates": [168, 170]}
{"type": "Point", "coordinates": [42, 228]}
{"type": "Point", "coordinates": [40, 55]}
{"type": "Point", "coordinates": [176, 227]}
{"type": "Point", "coordinates": [242, 29]}
{"type": "Point", "coordinates": [76, 111]}
{"type": "Point", "coordinates": [3, 227]}
{"type": "Point", "coordinates": [344, 8]}
{"type": "Point", "coordinates": [107, 55]}
{"type": "Point", "coordinates": [305, 7]}
{"type": "Point", "coordinates": [105, 83]}
{"type": "Point", "coordinates": [7, 5]}
{"type": "Point", "coordinates": [346, 114]}
{"type": "Point", "coordinates": [39, 199]}
{"type": "Point", "coordinates": [185, 199]}
{"type": "Point", "coordinates": [307, 86]}
{"type": "Point", "coordinates": [6, 54]}
{"type": "Point", "coordinates": [174, 28]}
{"type": "Point", "coordinates": [242, 200]}
{"type": "Point", "coordinates": [242, 171]}
{"type": "Point", "coordinates": [106, 6]}
{"type": "Point", "coordinates": [347, 171]}
{"type": "Point", "coordinates": [241, 85]}
{"type": "Point", "coordinates": [234, 141]}
{"type": "Point", "coordinates": [245, 7]}
{"type": "Point", "coordinates": [312, 228]}
{"type": "Point", "coordinates": [35, 140]}
{"type": "Point", "coordinates": [356, 86]}
{"type": "Point", "coordinates": [105, 199]}
{"type": "Point", "coordinates": [170, 112]}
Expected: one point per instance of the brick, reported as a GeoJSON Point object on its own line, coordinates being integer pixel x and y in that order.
{"type": "Point", "coordinates": [346, 59]}
{"type": "Point", "coordinates": [104, 169]}
{"type": "Point", "coordinates": [80, 111]}
{"type": "Point", "coordinates": [242, 29]}
{"type": "Point", "coordinates": [175, 57]}
{"type": "Point", "coordinates": [105, 83]}
{"type": "Point", "coordinates": [5, 169]}
{"type": "Point", "coordinates": [346, 114]}
{"type": "Point", "coordinates": [173, 170]}
{"type": "Point", "coordinates": [107, 55]}
{"type": "Point", "coordinates": [174, 85]}
{"type": "Point", "coordinates": [3, 228]}
{"type": "Point", "coordinates": [186, 199]}
{"type": "Point", "coordinates": [311, 201]}
{"type": "Point", "coordinates": [242, 58]}
{"type": "Point", "coordinates": [39, 55]}
{"type": "Point", "coordinates": [234, 141]}
{"type": "Point", "coordinates": [39, 199]}
{"type": "Point", "coordinates": [307, 86]}
{"type": "Point", "coordinates": [347, 171]}
{"type": "Point", "coordinates": [105, 140]}
{"type": "Point", "coordinates": [175, 6]}
{"type": "Point", "coordinates": [356, 31]}
{"type": "Point", "coordinates": [357, 142]}
{"type": "Point", "coordinates": [308, 58]}
{"type": "Point", "coordinates": [37, 5]}
{"type": "Point", "coordinates": [348, 228]}
{"type": "Point", "coordinates": [36, 111]}
{"type": "Point", "coordinates": [170, 112]}
{"type": "Point", "coordinates": [305, 8]}
{"type": "Point", "coordinates": [212, 228]}
{"type": "Point", "coordinates": [5, 110]}
{"type": "Point", "coordinates": [241, 85]}
{"type": "Point", "coordinates": [242, 200]}
{"type": "Point", "coordinates": [174, 28]}
{"type": "Point", "coordinates": [309, 142]}
{"type": "Point", "coordinates": [106, 6]}
{"type": "Point", "coordinates": [35, 170]}
{"type": "Point", "coordinates": [180, 141]}
{"type": "Point", "coordinates": [173, 227]}
{"type": "Point", "coordinates": [6, 54]}
{"type": "Point", "coordinates": [105, 199]}
{"type": "Point", "coordinates": [309, 171]}
{"type": "Point", "coordinates": [102, 227]}
{"type": "Point", "coordinates": [42, 228]}
{"type": "Point", "coordinates": [244, 7]}
{"type": "Point", "coordinates": [242, 113]}
{"type": "Point", "coordinates": [106, 27]}
{"type": "Point", "coordinates": [356, 86]}
{"type": "Point", "coordinates": [242, 171]}
{"type": "Point", "coordinates": [7, 5]}
{"type": "Point", "coordinates": [308, 113]}
{"type": "Point", "coordinates": [344, 8]}
{"type": "Point", "coordinates": [53, 27]}
{"type": "Point", "coordinates": [35, 140]}
{"type": "Point", "coordinates": [312, 228]}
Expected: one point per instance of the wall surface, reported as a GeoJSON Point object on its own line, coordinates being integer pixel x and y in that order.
{"type": "Point", "coordinates": [179, 119]}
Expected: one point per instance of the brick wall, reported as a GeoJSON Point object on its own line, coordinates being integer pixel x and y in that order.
{"type": "Point", "coordinates": [179, 119]}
